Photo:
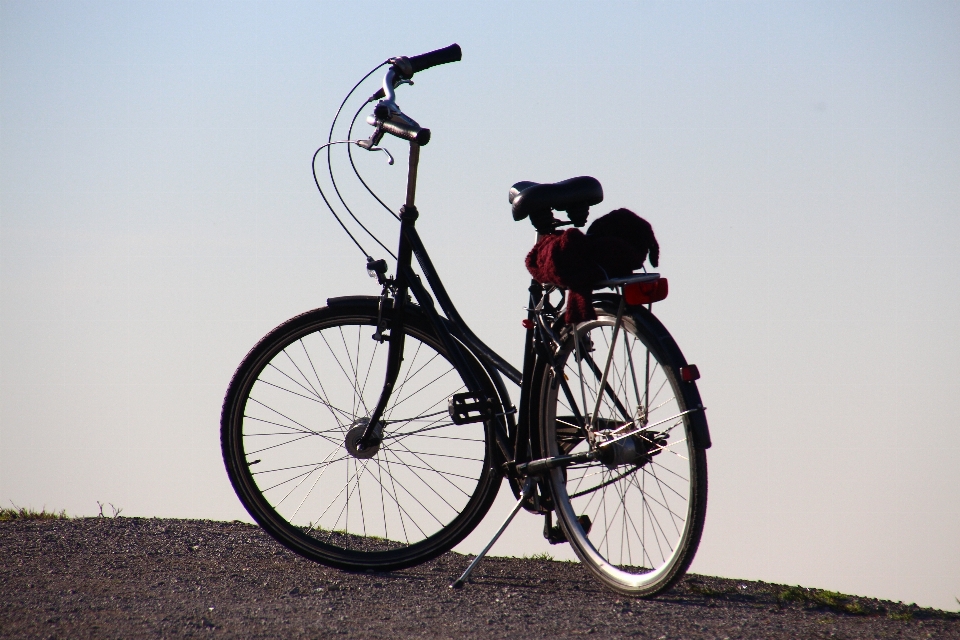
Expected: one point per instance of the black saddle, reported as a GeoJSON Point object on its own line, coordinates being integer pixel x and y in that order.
{"type": "Point", "coordinates": [538, 201]}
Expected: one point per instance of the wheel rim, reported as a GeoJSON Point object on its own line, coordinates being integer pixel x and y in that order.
{"type": "Point", "coordinates": [299, 405]}
{"type": "Point", "coordinates": [640, 506]}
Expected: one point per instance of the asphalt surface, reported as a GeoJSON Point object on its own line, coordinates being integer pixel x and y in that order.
{"type": "Point", "coordinates": [149, 578]}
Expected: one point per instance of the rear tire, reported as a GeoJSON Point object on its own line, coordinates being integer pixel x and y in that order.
{"type": "Point", "coordinates": [646, 508]}
{"type": "Point", "coordinates": [284, 436]}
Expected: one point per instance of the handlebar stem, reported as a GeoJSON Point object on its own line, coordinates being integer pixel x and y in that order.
{"type": "Point", "coordinates": [412, 173]}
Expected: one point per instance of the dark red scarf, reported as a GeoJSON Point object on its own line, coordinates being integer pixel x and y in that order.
{"type": "Point", "coordinates": [614, 246]}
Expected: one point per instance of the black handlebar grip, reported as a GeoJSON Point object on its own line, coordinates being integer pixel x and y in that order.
{"type": "Point", "coordinates": [415, 134]}
{"type": "Point", "coordinates": [406, 67]}
{"type": "Point", "coordinates": [440, 56]}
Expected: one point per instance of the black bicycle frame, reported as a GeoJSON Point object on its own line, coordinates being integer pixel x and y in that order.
{"type": "Point", "coordinates": [517, 441]}
{"type": "Point", "coordinates": [457, 338]}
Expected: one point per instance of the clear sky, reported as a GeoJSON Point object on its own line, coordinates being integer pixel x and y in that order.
{"type": "Point", "coordinates": [800, 163]}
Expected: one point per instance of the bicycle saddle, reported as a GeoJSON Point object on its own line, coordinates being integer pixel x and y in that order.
{"type": "Point", "coordinates": [575, 196]}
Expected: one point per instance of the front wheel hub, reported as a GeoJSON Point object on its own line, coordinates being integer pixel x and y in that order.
{"type": "Point", "coordinates": [352, 441]}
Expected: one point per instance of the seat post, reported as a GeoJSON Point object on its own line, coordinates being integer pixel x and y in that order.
{"type": "Point", "coordinates": [412, 173]}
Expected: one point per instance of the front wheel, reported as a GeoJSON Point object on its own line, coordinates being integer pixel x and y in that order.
{"type": "Point", "coordinates": [291, 418]}
{"type": "Point", "coordinates": [634, 516]}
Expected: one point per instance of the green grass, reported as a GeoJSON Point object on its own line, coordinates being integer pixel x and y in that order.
{"type": "Point", "coordinates": [838, 602]}
{"type": "Point", "coordinates": [900, 615]}
{"type": "Point", "coordinates": [24, 513]}
{"type": "Point", "coordinates": [538, 556]}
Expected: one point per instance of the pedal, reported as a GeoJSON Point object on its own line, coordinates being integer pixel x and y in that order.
{"type": "Point", "coordinates": [555, 535]}
{"type": "Point", "coordinates": [585, 523]}
{"type": "Point", "coordinates": [466, 408]}
{"type": "Point", "coordinates": [552, 534]}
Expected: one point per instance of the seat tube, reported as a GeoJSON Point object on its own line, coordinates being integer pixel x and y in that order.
{"type": "Point", "coordinates": [408, 218]}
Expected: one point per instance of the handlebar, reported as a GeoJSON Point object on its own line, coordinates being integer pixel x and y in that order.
{"type": "Point", "coordinates": [404, 67]}
{"type": "Point", "coordinates": [424, 61]}
{"type": "Point", "coordinates": [407, 130]}
{"type": "Point", "coordinates": [387, 116]}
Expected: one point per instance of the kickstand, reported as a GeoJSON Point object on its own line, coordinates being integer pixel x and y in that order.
{"type": "Point", "coordinates": [528, 487]}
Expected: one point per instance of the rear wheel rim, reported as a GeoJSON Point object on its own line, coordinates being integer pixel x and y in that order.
{"type": "Point", "coordinates": [644, 514]}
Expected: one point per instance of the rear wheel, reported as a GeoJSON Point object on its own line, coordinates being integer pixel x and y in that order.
{"type": "Point", "coordinates": [635, 515]}
{"type": "Point", "coordinates": [302, 397]}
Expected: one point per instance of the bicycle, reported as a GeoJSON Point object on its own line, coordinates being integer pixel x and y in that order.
{"type": "Point", "coordinates": [610, 434]}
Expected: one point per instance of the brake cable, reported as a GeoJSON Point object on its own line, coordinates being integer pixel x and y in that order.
{"type": "Point", "coordinates": [355, 171]}
{"type": "Point", "coordinates": [330, 143]}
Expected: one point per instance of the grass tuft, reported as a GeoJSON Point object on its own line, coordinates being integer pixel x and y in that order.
{"type": "Point", "coordinates": [838, 602]}
{"type": "Point", "coordinates": [24, 513]}
{"type": "Point", "coordinates": [538, 556]}
{"type": "Point", "coordinates": [116, 510]}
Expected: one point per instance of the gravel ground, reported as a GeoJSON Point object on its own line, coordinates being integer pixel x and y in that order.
{"type": "Point", "coordinates": [139, 578]}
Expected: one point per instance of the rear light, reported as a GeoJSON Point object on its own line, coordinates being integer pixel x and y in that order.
{"type": "Point", "coordinates": [645, 292]}
{"type": "Point", "coordinates": [689, 373]}
{"type": "Point", "coordinates": [527, 323]}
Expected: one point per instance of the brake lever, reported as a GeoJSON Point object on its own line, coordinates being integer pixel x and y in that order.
{"type": "Point", "coordinates": [401, 66]}
{"type": "Point", "coordinates": [371, 144]}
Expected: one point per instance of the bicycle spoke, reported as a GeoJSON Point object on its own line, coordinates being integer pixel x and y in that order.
{"type": "Point", "coordinates": [274, 446]}
{"type": "Point", "coordinates": [417, 500]}
{"type": "Point", "coordinates": [289, 428]}
{"type": "Point", "coordinates": [276, 386]}
{"type": "Point", "coordinates": [421, 481]}
{"type": "Point", "coordinates": [325, 397]}
{"type": "Point", "coordinates": [640, 508]}
{"type": "Point", "coordinates": [399, 402]}
{"type": "Point", "coordinates": [674, 517]}
{"type": "Point", "coordinates": [411, 372]}
{"type": "Point", "coordinates": [603, 484]}
{"type": "Point", "coordinates": [366, 377]}
{"type": "Point", "coordinates": [351, 381]}
{"type": "Point", "coordinates": [325, 464]}
{"type": "Point", "coordinates": [431, 467]}
{"type": "Point", "coordinates": [647, 497]}
{"type": "Point", "coordinates": [303, 427]}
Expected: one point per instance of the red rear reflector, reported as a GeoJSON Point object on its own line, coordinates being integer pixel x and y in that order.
{"type": "Point", "coordinates": [527, 323]}
{"type": "Point", "coordinates": [689, 373]}
{"type": "Point", "coordinates": [645, 292]}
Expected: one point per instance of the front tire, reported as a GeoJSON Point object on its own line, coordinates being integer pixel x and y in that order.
{"type": "Point", "coordinates": [284, 435]}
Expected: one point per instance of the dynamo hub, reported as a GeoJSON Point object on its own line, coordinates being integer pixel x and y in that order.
{"type": "Point", "coordinates": [352, 440]}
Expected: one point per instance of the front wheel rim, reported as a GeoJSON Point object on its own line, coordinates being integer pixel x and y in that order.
{"type": "Point", "coordinates": [338, 550]}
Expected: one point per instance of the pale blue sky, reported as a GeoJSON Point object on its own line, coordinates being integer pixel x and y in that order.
{"type": "Point", "coordinates": [800, 163]}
